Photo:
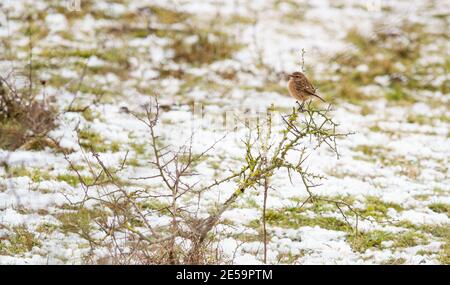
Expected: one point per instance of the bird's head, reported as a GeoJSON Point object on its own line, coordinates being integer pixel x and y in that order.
{"type": "Point", "coordinates": [296, 75]}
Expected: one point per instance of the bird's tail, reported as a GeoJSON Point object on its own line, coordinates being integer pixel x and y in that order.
{"type": "Point", "coordinates": [315, 95]}
{"type": "Point", "coordinates": [319, 97]}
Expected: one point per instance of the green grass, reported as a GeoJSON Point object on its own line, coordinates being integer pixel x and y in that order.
{"type": "Point", "coordinates": [115, 146]}
{"type": "Point", "coordinates": [90, 139]}
{"type": "Point", "coordinates": [394, 261]}
{"type": "Point", "coordinates": [378, 209]}
{"type": "Point", "coordinates": [80, 221]}
{"type": "Point", "coordinates": [381, 154]}
{"type": "Point", "coordinates": [73, 179]}
{"type": "Point", "coordinates": [374, 240]}
{"type": "Point", "coordinates": [444, 254]}
{"type": "Point", "coordinates": [88, 115]}
{"type": "Point", "coordinates": [20, 241]}
{"type": "Point", "coordinates": [437, 231]}
{"type": "Point", "coordinates": [139, 149]}
{"type": "Point", "coordinates": [347, 89]}
{"type": "Point", "coordinates": [207, 47]}
{"type": "Point", "coordinates": [46, 228]}
{"type": "Point", "coordinates": [371, 239]}
{"type": "Point", "coordinates": [36, 175]}
{"type": "Point", "coordinates": [133, 161]}
{"type": "Point", "coordinates": [373, 153]}
{"type": "Point", "coordinates": [371, 150]}
{"type": "Point", "coordinates": [290, 258]}
{"type": "Point", "coordinates": [398, 94]}
{"type": "Point", "coordinates": [88, 88]}
{"type": "Point", "coordinates": [62, 53]}
{"type": "Point", "coordinates": [155, 205]}
{"type": "Point", "coordinates": [375, 128]}
{"type": "Point", "coordinates": [419, 119]}
{"type": "Point", "coordinates": [366, 110]}
{"type": "Point", "coordinates": [169, 16]}
{"type": "Point", "coordinates": [70, 179]}
{"type": "Point", "coordinates": [409, 239]}
{"type": "Point", "coordinates": [440, 208]}
{"type": "Point", "coordinates": [294, 218]}
{"type": "Point", "coordinates": [422, 197]}
{"type": "Point", "coordinates": [384, 55]}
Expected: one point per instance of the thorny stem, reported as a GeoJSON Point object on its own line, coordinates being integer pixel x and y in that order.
{"type": "Point", "coordinates": [266, 189]}
{"type": "Point", "coordinates": [30, 55]}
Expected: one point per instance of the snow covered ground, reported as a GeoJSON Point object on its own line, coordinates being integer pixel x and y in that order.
{"type": "Point", "coordinates": [382, 64]}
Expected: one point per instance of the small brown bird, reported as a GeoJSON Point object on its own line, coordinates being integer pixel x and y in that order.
{"type": "Point", "coordinates": [300, 88]}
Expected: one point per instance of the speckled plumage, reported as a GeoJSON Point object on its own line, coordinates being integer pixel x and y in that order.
{"type": "Point", "coordinates": [300, 88]}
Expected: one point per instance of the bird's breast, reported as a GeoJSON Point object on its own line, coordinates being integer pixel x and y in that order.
{"type": "Point", "coordinates": [290, 85]}
{"type": "Point", "coordinates": [291, 88]}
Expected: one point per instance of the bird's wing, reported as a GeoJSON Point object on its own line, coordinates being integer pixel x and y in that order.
{"type": "Point", "coordinates": [303, 85]}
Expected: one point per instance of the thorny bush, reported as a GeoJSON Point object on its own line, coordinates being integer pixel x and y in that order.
{"type": "Point", "coordinates": [155, 225]}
